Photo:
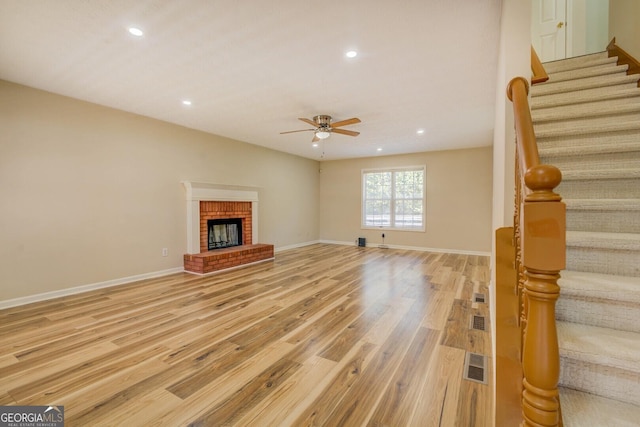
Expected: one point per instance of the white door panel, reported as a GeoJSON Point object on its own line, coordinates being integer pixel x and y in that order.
{"type": "Point", "coordinates": [549, 29]}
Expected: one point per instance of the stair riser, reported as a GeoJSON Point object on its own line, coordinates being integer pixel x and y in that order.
{"type": "Point", "coordinates": [583, 84]}
{"type": "Point", "coordinates": [590, 95]}
{"type": "Point", "coordinates": [603, 261]}
{"type": "Point", "coordinates": [610, 140]}
{"type": "Point", "coordinates": [600, 380]}
{"type": "Point", "coordinates": [578, 62]}
{"type": "Point", "coordinates": [600, 189]}
{"type": "Point", "coordinates": [593, 161]}
{"type": "Point", "coordinates": [581, 73]}
{"type": "Point", "coordinates": [585, 126]}
{"type": "Point", "coordinates": [598, 312]}
{"type": "Point", "coordinates": [603, 221]}
{"type": "Point", "coordinates": [581, 111]}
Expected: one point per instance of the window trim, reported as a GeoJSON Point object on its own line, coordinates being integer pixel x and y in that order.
{"type": "Point", "coordinates": [393, 170]}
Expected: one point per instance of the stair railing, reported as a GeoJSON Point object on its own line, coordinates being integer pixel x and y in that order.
{"type": "Point", "coordinates": [538, 73]}
{"type": "Point", "coordinates": [539, 227]}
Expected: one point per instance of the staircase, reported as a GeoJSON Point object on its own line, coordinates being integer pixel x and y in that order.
{"type": "Point", "coordinates": [587, 123]}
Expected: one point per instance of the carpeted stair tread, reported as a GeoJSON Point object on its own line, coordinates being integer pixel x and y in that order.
{"type": "Point", "coordinates": [600, 174]}
{"type": "Point", "coordinates": [626, 122]}
{"type": "Point", "coordinates": [581, 73]}
{"type": "Point", "coordinates": [602, 286]}
{"type": "Point", "coordinates": [589, 144]}
{"type": "Point", "coordinates": [583, 61]}
{"type": "Point", "coordinates": [601, 361]}
{"type": "Point", "coordinates": [582, 84]}
{"type": "Point", "coordinates": [603, 204]}
{"type": "Point", "coordinates": [628, 90]}
{"type": "Point", "coordinates": [600, 346]}
{"type": "Point", "coordinates": [602, 300]}
{"type": "Point", "coordinates": [580, 409]}
{"type": "Point", "coordinates": [611, 241]}
{"type": "Point", "coordinates": [599, 161]}
{"type": "Point", "coordinates": [589, 109]}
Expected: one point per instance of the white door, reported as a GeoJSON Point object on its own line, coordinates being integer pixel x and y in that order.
{"type": "Point", "coordinates": [549, 29]}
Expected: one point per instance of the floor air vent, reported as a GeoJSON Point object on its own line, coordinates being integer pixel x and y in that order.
{"type": "Point", "coordinates": [477, 322]}
{"type": "Point", "coordinates": [478, 298]}
{"type": "Point", "coordinates": [475, 367]}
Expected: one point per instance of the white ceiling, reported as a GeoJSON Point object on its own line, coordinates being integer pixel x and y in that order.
{"type": "Point", "coordinates": [251, 68]}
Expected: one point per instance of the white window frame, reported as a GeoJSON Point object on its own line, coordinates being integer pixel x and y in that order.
{"type": "Point", "coordinates": [393, 170]}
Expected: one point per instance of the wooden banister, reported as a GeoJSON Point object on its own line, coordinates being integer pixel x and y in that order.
{"type": "Point", "coordinates": [538, 73]}
{"type": "Point", "coordinates": [540, 255]}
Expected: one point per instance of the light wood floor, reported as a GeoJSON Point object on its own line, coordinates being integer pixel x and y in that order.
{"type": "Point", "coordinates": [324, 335]}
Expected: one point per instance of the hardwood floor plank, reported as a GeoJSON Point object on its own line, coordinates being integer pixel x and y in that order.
{"type": "Point", "coordinates": [6, 399]}
{"type": "Point", "coordinates": [322, 335]}
{"type": "Point", "coordinates": [250, 394]}
{"type": "Point", "coordinates": [79, 376]}
{"type": "Point", "coordinates": [25, 372]}
{"type": "Point", "coordinates": [290, 396]}
{"type": "Point", "coordinates": [325, 399]}
{"type": "Point", "coordinates": [361, 398]}
{"type": "Point", "coordinates": [398, 402]}
{"type": "Point", "coordinates": [7, 360]}
{"type": "Point", "coordinates": [438, 402]}
{"type": "Point", "coordinates": [341, 344]}
{"type": "Point", "coordinates": [220, 388]}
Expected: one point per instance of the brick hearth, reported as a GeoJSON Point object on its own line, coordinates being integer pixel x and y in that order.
{"type": "Point", "coordinates": [221, 259]}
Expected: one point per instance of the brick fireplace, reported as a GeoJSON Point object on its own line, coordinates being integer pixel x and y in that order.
{"type": "Point", "coordinates": [225, 210]}
{"type": "Point", "coordinates": [213, 202]}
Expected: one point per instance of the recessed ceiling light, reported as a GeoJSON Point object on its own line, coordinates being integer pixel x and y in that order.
{"type": "Point", "coordinates": [315, 145]}
{"type": "Point", "coordinates": [186, 102]}
{"type": "Point", "coordinates": [351, 54]}
{"type": "Point", "coordinates": [379, 149]}
{"type": "Point", "coordinates": [136, 31]}
{"type": "Point", "coordinates": [420, 131]}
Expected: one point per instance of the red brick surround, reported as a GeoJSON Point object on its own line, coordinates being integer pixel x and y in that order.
{"type": "Point", "coordinates": [220, 210]}
{"type": "Point", "coordinates": [221, 259]}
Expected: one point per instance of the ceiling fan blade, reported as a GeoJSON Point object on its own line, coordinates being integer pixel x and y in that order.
{"type": "Point", "coordinates": [345, 132]}
{"type": "Point", "coordinates": [315, 138]}
{"type": "Point", "coordinates": [345, 122]}
{"type": "Point", "coordinates": [308, 121]}
{"type": "Point", "coordinates": [293, 131]}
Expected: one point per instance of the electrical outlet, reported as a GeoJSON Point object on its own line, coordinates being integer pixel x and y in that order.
{"type": "Point", "coordinates": [165, 252]}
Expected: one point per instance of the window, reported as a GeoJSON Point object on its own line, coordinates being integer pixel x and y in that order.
{"type": "Point", "coordinates": [393, 198]}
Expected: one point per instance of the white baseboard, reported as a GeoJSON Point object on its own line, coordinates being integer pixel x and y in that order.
{"type": "Point", "coordinates": [297, 245]}
{"type": "Point", "coordinates": [85, 288]}
{"type": "Point", "coordinates": [410, 248]}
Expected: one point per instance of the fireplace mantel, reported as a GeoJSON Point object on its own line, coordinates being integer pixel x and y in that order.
{"type": "Point", "coordinates": [202, 191]}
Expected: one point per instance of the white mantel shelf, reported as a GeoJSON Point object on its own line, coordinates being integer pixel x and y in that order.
{"type": "Point", "coordinates": [203, 191]}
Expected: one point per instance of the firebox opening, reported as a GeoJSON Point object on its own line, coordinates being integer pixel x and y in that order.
{"type": "Point", "coordinates": [224, 233]}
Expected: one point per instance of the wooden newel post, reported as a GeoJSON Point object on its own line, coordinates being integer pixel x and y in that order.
{"type": "Point", "coordinates": [544, 247]}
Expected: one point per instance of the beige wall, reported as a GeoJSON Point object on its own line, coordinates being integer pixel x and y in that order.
{"type": "Point", "coordinates": [624, 25]}
{"type": "Point", "coordinates": [458, 200]}
{"type": "Point", "coordinates": [92, 194]}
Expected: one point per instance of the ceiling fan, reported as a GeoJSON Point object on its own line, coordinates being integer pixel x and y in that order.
{"type": "Point", "coordinates": [322, 127]}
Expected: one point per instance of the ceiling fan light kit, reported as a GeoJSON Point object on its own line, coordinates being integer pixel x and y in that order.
{"type": "Point", "coordinates": [323, 128]}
